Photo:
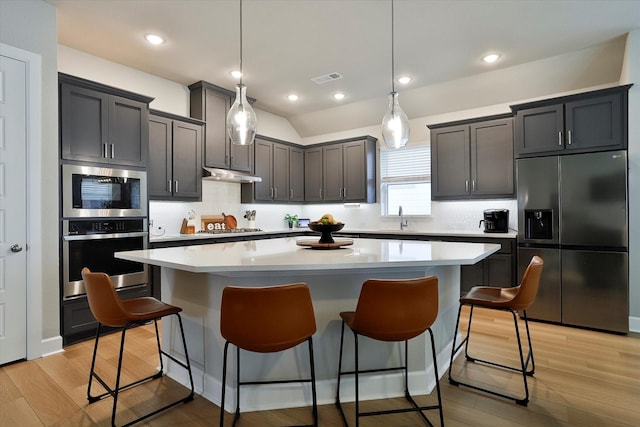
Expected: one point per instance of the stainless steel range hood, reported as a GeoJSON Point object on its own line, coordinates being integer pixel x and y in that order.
{"type": "Point", "coordinates": [213, 174]}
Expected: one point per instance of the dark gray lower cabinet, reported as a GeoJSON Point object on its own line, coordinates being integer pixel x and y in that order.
{"type": "Point", "coordinates": [78, 323]}
{"type": "Point", "coordinates": [498, 270]}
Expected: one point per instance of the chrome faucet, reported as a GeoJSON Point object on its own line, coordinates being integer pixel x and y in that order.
{"type": "Point", "coordinates": [403, 222]}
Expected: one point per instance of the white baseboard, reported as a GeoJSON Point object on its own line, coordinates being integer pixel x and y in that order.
{"type": "Point", "coordinates": [634, 324]}
{"type": "Point", "coordinates": [51, 346]}
{"type": "Point", "coordinates": [258, 398]}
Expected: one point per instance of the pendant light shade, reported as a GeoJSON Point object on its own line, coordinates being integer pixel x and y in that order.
{"type": "Point", "coordinates": [395, 124]}
{"type": "Point", "coordinates": [242, 121]}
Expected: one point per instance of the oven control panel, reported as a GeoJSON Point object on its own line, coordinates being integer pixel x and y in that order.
{"type": "Point", "coordinates": [103, 226]}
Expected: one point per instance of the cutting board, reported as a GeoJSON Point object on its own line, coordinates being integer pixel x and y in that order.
{"type": "Point", "coordinates": [230, 222]}
{"type": "Point", "coordinates": [315, 244]}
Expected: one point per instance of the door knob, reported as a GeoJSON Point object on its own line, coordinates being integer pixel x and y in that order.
{"type": "Point", "coordinates": [16, 248]}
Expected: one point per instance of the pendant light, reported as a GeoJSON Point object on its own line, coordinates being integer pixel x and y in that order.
{"type": "Point", "coordinates": [241, 119]}
{"type": "Point", "coordinates": [395, 124]}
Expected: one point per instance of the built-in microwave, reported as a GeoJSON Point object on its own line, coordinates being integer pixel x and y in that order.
{"type": "Point", "coordinates": [90, 191]}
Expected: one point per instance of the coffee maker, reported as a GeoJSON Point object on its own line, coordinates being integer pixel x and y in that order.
{"type": "Point", "coordinates": [495, 221]}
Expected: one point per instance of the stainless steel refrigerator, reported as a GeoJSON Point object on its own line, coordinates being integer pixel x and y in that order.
{"type": "Point", "coordinates": [573, 212]}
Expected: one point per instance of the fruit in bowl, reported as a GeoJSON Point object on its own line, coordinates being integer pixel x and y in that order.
{"type": "Point", "coordinates": [326, 225]}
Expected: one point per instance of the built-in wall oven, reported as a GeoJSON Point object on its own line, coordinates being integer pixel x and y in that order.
{"type": "Point", "coordinates": [103, 211]}
{"type": "Point", "coordinates": [92, 242]}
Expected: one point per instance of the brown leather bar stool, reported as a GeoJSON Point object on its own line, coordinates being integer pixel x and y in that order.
{"type": "Point", "coordinates": [514, 299]}
{"type": "Point", "coordinates": [394, 311]}
{"type": "Point", "coordinates": [109, 310]}
{"type": "Point", "coordinates": [266, 320]}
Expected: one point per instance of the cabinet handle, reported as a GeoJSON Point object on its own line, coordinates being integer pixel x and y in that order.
{"type": "Point", "coordinates": [113, 151]}
{"type": "Point", "coordinates": [569, 136]}
{"type": "Point", "coordinates": [344, 193]}
{"type": "Point", "coordinates": [176, 185]}
{"type": "Point", "coordinates": [275, 193]}
{"type": "Point", "coordinates": [321, 194]}
{"type": "Point", "coordinates": [560, 138]}
{"type": "Point", "coordinates": [466, 185]}
{"type": "Point", "coordinates": [473, 185]}
{"type": "Point", "coordinates": [104, 150]}
{"type": "Point", "coordinates": [170, 186]}
{"type": "Point", "coordinates": [291, 193]}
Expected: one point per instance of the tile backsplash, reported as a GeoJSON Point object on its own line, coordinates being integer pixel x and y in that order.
{"type": "Point", "coordinates": [223, 197]}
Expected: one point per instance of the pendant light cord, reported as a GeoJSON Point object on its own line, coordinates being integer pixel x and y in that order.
{"type": "Point", "coordinates": [240, 41]}
{"type": "Point", "coordinates": [393, 65]}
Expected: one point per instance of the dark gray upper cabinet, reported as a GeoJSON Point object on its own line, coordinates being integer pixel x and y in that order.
{"type": "Point", "coordinates": [472, 159]}
{"type": "Point", "coordinates": [211, 103]}
{"type": "Point", "coordinates": [332, 173]}
{"type": "Point", "coordinates": [341, 171]}
{"type": "Point", "coordinates": [262, 191]}
{"type": "Point", "coordinates": [313, 174]}
{"type": "Point", "coordinates": [175, 158]}
{"type": "Point", "coordinates": [450, 162]}
{"type": "Point", "coordinates": [102, 124]}
{"type": "Point", "coordinates": [296, 174]}
{"type": "Point", "coordinates": [274, 160]}
{"type": "Point", "coordinates": [492, 172]}
{"type": "Point", "coordinates": [591, 121]}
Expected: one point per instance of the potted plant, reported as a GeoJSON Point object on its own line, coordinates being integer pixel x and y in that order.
{"type": "Point", "coordinates": [291, 219]}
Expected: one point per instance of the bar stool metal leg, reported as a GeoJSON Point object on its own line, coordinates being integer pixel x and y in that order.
{"type": "Point", "coordinates": [115, 391]}
{"type": "Point", "coordinates": [524, 362]}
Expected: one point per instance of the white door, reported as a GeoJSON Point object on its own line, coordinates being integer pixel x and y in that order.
{"type": "Point", "coordinates": [13, 209]}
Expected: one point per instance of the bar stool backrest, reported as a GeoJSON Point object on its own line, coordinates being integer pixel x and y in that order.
{"type": "Point", "coordinates": [267, 319]}
{"type": "Point", "coordinates": [396, 310]}
{"type": "Point", "coordinates": [528, 289]}
{"type": "Point", "coordinates": [104, 301]}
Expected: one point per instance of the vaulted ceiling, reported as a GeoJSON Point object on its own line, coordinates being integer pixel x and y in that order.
{"type": "Point", "coordinates": [565, 44]}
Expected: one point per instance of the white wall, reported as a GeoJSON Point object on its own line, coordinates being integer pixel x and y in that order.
{"type": "Point", "coordinates": [631, 74]}
{"type": "Point", "coordinates": [31, 26]}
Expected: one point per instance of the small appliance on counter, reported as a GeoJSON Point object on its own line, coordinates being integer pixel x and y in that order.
{"type": "Point", "coordinates": [495, 221]}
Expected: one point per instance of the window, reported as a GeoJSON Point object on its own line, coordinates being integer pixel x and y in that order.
{"type": "Point", "coordinates": [405, 177]}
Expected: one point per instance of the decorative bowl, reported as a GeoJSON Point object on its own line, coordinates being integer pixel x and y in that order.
{"type": "Point", "coordinates": [325, 230]}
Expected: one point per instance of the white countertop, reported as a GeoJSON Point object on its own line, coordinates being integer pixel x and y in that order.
{"type": "Point", "coordinates": [283, 254]}
{"type": "Point", "coordinates": [511, 234]}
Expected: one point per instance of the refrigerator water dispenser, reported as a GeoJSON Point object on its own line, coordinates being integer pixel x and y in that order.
{"type": "Point", "coordinates": [538, 224]}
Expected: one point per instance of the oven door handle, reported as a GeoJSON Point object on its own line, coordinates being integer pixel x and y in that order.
{"type": "Point", "coordinates": [104, 236]}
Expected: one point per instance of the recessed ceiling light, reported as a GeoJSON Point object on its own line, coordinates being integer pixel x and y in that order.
{"type": "Point", "coordinates": [338, 96]}
{"type": "Point", "coordinates": [491, 58]}
{"type": "Point", "coordinates": [293, 97]}
{"type": "Point", "coordinates": [154, 38]}
{"type": "Point", "coordinates": [404, 80]}
{"type": "Point", "coordinates": [236, 74]}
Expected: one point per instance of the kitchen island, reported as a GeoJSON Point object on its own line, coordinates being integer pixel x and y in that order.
{"type": "Point", "coordinates": [193, 278]}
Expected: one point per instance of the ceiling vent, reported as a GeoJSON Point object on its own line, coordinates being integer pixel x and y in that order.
{"type": "Point", "coordinates": [326, 78]}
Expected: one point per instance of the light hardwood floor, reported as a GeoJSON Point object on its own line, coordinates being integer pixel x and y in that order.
{"type": "Point", "coordinates": [583, 378]}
